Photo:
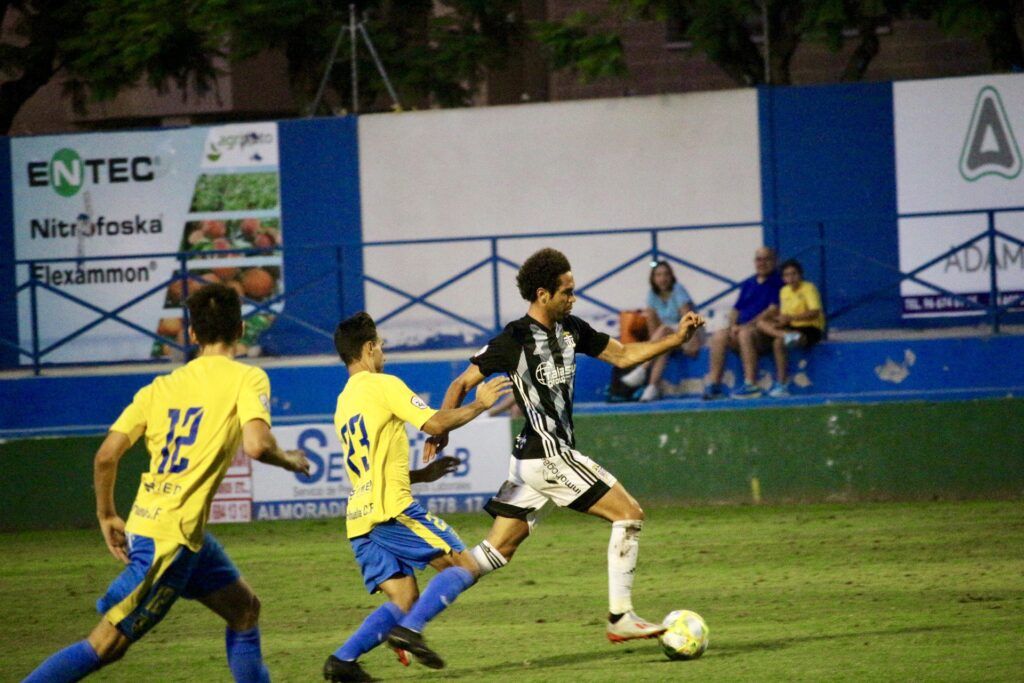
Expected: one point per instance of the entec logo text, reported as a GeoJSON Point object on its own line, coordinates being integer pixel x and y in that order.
{"type": "Point", "coordinates": [67, 171]}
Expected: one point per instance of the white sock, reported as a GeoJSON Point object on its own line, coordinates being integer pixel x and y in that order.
{"type": "Point", "coordinates": [487, 557]}
{"type": "Point", "coordinates": [623, 548]}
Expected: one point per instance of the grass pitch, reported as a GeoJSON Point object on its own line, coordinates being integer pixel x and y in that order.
{"type": "Point", "coordinates": [923, 591]}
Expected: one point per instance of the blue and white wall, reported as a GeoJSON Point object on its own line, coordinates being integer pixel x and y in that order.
{"type": "Point", "coordinates": [828, 165]}
{"type": "Point", "coordinates": [429, 213]}
{"type": "Point", "coordinates": [604, 168]}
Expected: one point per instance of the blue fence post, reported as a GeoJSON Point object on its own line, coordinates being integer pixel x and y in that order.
{"type": "Point", "coordinates": [823, 284]}
{"type": "Point", "coordinates": [339, 259]}
{"type": "Point", "coordinates": [654, 246]}
{"type": "Point", "coordinates": [494, 284]}
{"type": "Point", "coordinates": [34, 305]}
{"type": "Point", "coordinates": [183, 258]}
{"type": "Point", "coordinates": [993, 295]}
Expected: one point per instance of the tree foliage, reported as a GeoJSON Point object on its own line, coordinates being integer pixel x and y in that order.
{"type": "Point", "coordinates": [998, 24]}
{"type": "Point", "coordinates": [31, 50]}
{"type": "Point", "coordinates": [574, 43]}
{"type": "Point", "coordinates": [436, 53]}
{"type": "Point", "coordinates": [731, 32]}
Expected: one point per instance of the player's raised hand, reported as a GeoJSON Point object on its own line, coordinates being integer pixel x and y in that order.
{"type": "Point", "coordinates": [113, 534]}
{"type": "Point", "coordinates": [689, 324]}
{"type": "Point", "coordinates": [297, 461]}
{"type": "Point", "coordinates": [490, 391]}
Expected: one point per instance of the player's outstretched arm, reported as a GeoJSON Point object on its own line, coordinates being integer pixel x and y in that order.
{"type": "Point", "coordinates": [453, 398]}
{"type": "Point", "coordinates": [626, 355]}
{"type": "Point", "coordinates": [487, 395]}
{"type": "Point", "coordinates": [104, 477]}
{"type": "Point", "coordinates": [259, 444]}
{"type": "Point", "coordinates": [460, 388]}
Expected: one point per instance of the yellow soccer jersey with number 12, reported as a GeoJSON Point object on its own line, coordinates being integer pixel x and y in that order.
{"type": "Point", "coordinates": [370, 421]}
{"type": "Point", "coordinates": [193, 421]}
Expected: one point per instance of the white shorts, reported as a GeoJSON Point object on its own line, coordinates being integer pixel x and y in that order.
{"type": "Point", "coordinates": [569, 480]}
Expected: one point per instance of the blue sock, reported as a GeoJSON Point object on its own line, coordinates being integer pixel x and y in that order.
{"type": "Point", "coordinates": [371, 632]}
{"type": "Point", "coordinates": [440, 593]}
{"type": "Point", "coordinates": [244, 656]}
{"type": "Point", "coordinates": [70, 664]}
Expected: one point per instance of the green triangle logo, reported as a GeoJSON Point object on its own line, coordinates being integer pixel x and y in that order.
{"type": "Point", "coordinates": [990, 147]}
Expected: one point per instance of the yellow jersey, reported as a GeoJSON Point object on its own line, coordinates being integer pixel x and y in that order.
{"type": "Point", "coordinates": [370, 422]}
{"type": "Point", "coordinates": [799, 301]}
{"type": "Point", "coordinates": [192, 420]}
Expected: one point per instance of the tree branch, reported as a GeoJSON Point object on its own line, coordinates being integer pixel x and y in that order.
{"type": "Point", "coordinates": [784, 22]}
{"type": "Point", "coordinates": [37, 71]}
{"type": "Point", "coordinates": [866, 50]}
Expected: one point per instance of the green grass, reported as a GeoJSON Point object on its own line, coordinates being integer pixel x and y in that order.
{"type": "Point", "coordinates": [921, 591]}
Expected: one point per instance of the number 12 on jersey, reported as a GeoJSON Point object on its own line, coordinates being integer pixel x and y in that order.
{"type": "Point", "coordinates": [169, 453]}
{"type": "Point", "coordinates": [349, 440]}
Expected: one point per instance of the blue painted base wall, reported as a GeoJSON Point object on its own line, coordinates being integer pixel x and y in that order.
{"type": "Point", "coordinates": [322, 258]}
{"type": "Point", "coordinates": [828, 170]}
{"type": "Point", "coordinates": [931, 369]}
{"type": "Point", "coordinates": [929, 366]}
{"type": "Point", "coordinates": [86, 405]}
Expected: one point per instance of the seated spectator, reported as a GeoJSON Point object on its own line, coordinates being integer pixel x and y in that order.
{"type": "Point", "coordinates": [667, 302]}
{"type": "Point", "coordinates": [798, 321]}
{"type": "Point", "coordinates": [757, 295]}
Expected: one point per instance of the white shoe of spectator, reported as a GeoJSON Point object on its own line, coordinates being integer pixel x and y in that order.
{"type": "Point", "coordinates": [791, 339]}
{"type": "Point", "coordinates": [634, 377]}
{"type": "Point", "coordinates": [651, 393]}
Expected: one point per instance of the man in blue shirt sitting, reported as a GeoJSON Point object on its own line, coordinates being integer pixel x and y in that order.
{"type": "Point", "coordinates": [757, 294]}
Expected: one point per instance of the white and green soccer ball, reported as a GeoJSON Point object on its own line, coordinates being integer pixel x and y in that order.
{"type": "Point", "coordinates": [686, 636]}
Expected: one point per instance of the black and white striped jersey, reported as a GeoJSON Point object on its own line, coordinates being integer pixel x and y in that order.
{"type": "Point", "coordinates": [542, 365]}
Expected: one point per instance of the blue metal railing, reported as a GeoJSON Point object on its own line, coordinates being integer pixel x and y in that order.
{"type": "Point", "coordinates": [188, 263]}
{"type": "Point", "coordinates": [993, 309]}
{"type": "Point", "coordinates": [651, 252]}
{"type": "Point", "coordinates": [652, 249]}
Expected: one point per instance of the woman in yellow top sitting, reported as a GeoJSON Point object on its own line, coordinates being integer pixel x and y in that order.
{"type": "Point", "coordinates": [798, 321]}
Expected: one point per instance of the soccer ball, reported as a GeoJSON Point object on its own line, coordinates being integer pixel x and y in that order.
{"type": "Point", "coordinates": [686, 637]}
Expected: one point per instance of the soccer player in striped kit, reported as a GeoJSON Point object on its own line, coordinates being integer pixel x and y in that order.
{"type": "Point", "coordinates": [538, 352]}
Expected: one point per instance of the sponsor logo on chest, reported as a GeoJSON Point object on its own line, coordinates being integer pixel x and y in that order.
{"type": "Point", "coordinates": [550, 375]}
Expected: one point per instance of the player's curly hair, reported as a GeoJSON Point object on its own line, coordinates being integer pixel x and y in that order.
{"type": "Point", "coordinates": [352, 334]}
{"type": "Point", "coordinates": [215, 314]}
{"type": "Point", "coordinates": [541, 270]}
